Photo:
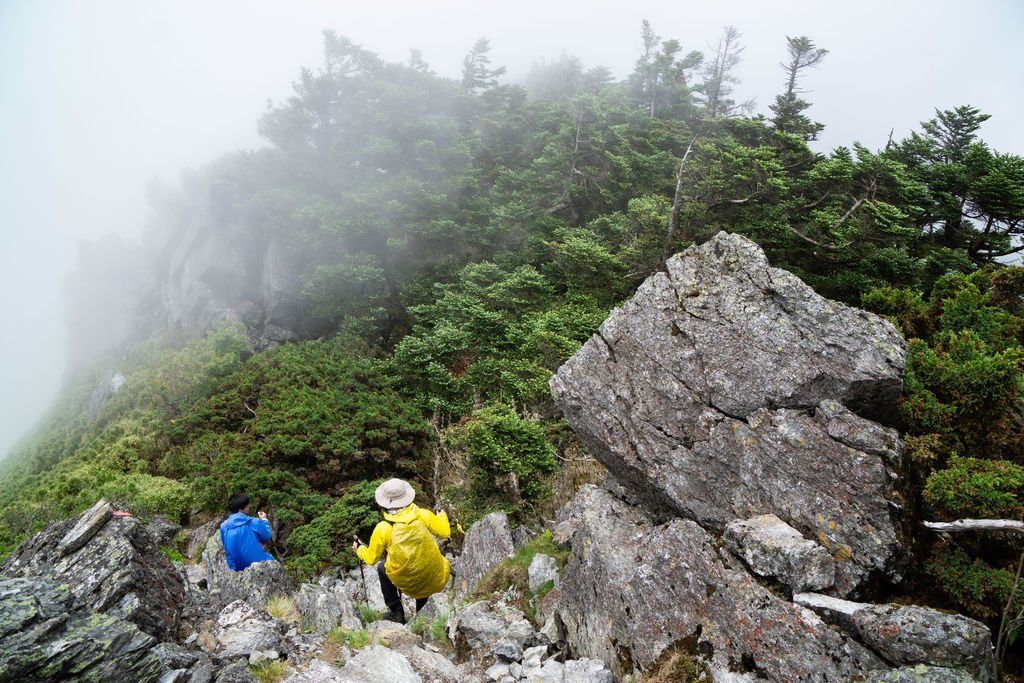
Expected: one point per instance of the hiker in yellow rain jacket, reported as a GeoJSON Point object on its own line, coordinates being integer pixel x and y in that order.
{"type": "Point", "coordinates": [414, 565]}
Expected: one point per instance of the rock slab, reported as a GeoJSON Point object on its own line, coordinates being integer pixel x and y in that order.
{"type": "Point", "coordinates": [671, 589]}
{"type": "Point", "coordinates": [726, 389]}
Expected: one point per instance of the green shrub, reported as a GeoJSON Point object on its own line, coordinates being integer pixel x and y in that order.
{"type": "Point", "coordinates": [172, 554]}
{"type": "Point", "coordinates": [969, 487]}
{"type": "Point", "coordinates": [960, 388]}
{"type": "Point", "coordinates": [904, 307]}
{"type": "Point", "coordinates": [327, 538]}
{"type": "Point", "coordinates": [509, 460]}
{"type": "Point", "coordinates": [974, 587]}
{"type": "Point", "coordinates": [146, 495]}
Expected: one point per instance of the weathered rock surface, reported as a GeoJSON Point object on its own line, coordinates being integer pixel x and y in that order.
{"type": "Point", "coordinates": [181, 665]}
{"type": "Point", "coordinates": [375, 663]}
{"type": "Point", "coordinates": [488, 542]}
{"type": "Point", "coordinates": [46, 636]}
{"type": "Point", "coordinates": [770, 547]}
{"type": "Point", "coordinates": [163, 531]}
{"type": "Point", "coordinates": [671, 587]}
{"type": "Point", "coordinates": [921, 674]}
{"type": "Point", "coordinates": [909, 634]}
{"type": "Point", "coordinates": [324, 606]}
{"type": "Point", "coordinates": [721, 391]}
{"type": "Point", "coordinates": [578, 671]}
{"type": "Point", "coordinates": [543, 568]}
{"type": "Point", "coordinates": [197, 538]}
{"type": "Point", "coordinates": [208, 277]}
{"type": "Point", "coordinates": [241, 630]}
{"type": "Point", "coordinates": [89, 522]}
{"type": "Point", "coordinates": [118, 571]}
{"type": "Point", "coordinates": [256, 584]}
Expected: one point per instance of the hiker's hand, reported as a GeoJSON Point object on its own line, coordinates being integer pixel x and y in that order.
{"type": "Point", "coordinates": [355, 546]}
{"type": "Point", "coordinates": [263, 515]}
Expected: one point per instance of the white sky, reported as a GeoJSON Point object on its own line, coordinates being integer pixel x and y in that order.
{"type": "Point", "coordinates": [98, 96]}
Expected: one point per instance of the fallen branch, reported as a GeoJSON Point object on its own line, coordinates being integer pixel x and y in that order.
{"type": "Point", "coordinates": [978, 525]}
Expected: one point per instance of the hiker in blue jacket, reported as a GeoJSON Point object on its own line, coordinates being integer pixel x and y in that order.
{"type": "Point", "coordinates": [244, 536]}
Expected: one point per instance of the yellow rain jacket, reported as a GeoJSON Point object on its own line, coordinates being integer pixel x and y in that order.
{"type": "Point", "coordinates": [414, 563]}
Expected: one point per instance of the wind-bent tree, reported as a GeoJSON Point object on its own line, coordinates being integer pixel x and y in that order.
{"type": "Point", "coordinates": [977, 194]}
{"type": "Point", "coordinates": [719, 77]}
{"type": "Point", "coordinates": [477, 74]}
{"type": "Point", "coordinates": [788, 116]}
{"type": "Point", "coordinates": [661, 77]}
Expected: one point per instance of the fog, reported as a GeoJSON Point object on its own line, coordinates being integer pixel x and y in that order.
{"type": "Point", "coordinates": [98, 97]}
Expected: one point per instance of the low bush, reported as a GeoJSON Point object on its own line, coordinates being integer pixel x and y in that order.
{"type": "Point", "coordinates": [970, 487]}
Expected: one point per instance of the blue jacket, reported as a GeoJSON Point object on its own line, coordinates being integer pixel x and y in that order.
{"type": "Point", "coordinates": [242, 535]}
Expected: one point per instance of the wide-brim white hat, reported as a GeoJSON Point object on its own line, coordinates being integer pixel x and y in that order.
{"type": "Point", "coordinates": [394, 493]}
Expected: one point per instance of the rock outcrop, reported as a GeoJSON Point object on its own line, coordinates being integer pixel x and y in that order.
{"type": "Point", "coordinates": [772, 548]}
{"type": "Point", "coordinates": [671, 589]}
{"type": "Point", "coordinates": [488, 542]}
{"type": "Point", "coordinates": [747, 425]}
{"type": "Point", "coordinates": [727, 389]}
{"type": "Point", "coordinates": [111, 564]}
{"type": "Point", "coordinates": [46, 635]}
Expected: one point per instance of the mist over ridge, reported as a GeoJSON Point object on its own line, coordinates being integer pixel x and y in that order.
{"type": "Point", "coordinates": [131, 93]}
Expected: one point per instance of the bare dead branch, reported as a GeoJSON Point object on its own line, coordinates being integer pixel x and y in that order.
{"type": "Point", "coordinates": [820, 245]}
{"type": "Point", "coordinates": [849, 212]}
{"type": "Point", "coordinates": [817, 201]}
{"type": "Point", "coordinates": [978, 525]}
{"type": "Point", "coordinates": [673, 219]}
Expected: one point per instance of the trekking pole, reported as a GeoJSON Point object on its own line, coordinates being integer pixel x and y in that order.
{"type": "Point", "coordinates": [366, 595]}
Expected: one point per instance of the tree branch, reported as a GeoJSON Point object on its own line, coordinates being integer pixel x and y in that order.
{"type": "Point", "coordinates": [827, 247]}
{"type": "Point", "coordinates": [817, 201]}
{"type": "Point", "coordinates": [673, 218]}
{"type": "Point", "coordinates": [978, 525]}
{"type": "Point", "coordinates": [849, 212]}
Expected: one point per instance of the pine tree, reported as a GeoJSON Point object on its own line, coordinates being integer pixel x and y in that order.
{"type": "Point", "coordinates": [788, 109]}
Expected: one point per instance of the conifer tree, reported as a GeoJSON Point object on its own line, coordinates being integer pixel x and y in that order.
{"type": "Point", "coordinates": [788, 116]}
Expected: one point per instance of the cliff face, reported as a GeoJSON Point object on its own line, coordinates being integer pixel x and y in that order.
{"type": "Point", "coordinates": [204, 260]}
{"type": "Point", "coordinates": [742, 418]}
{"type": "Point", "coordinates": [210, 272]}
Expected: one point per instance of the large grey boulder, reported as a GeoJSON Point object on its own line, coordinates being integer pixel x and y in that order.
{"type": "Point", "coordinates": [488, 542]}
{"type": "Point", "coordinates": [575, 670]}
{"type": "Point", "coordinates": [543, 568]}
{"type": "Point", "coordinates": [726, 388]}
{"type": "Point", "coordinates": [46, 635]}
{"type": "Point", "coordinates": [110, 564]}
{"type": "Point", "coordinates": [376, 663]}
{"type": "Point", "coordinates": [669, 585]}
